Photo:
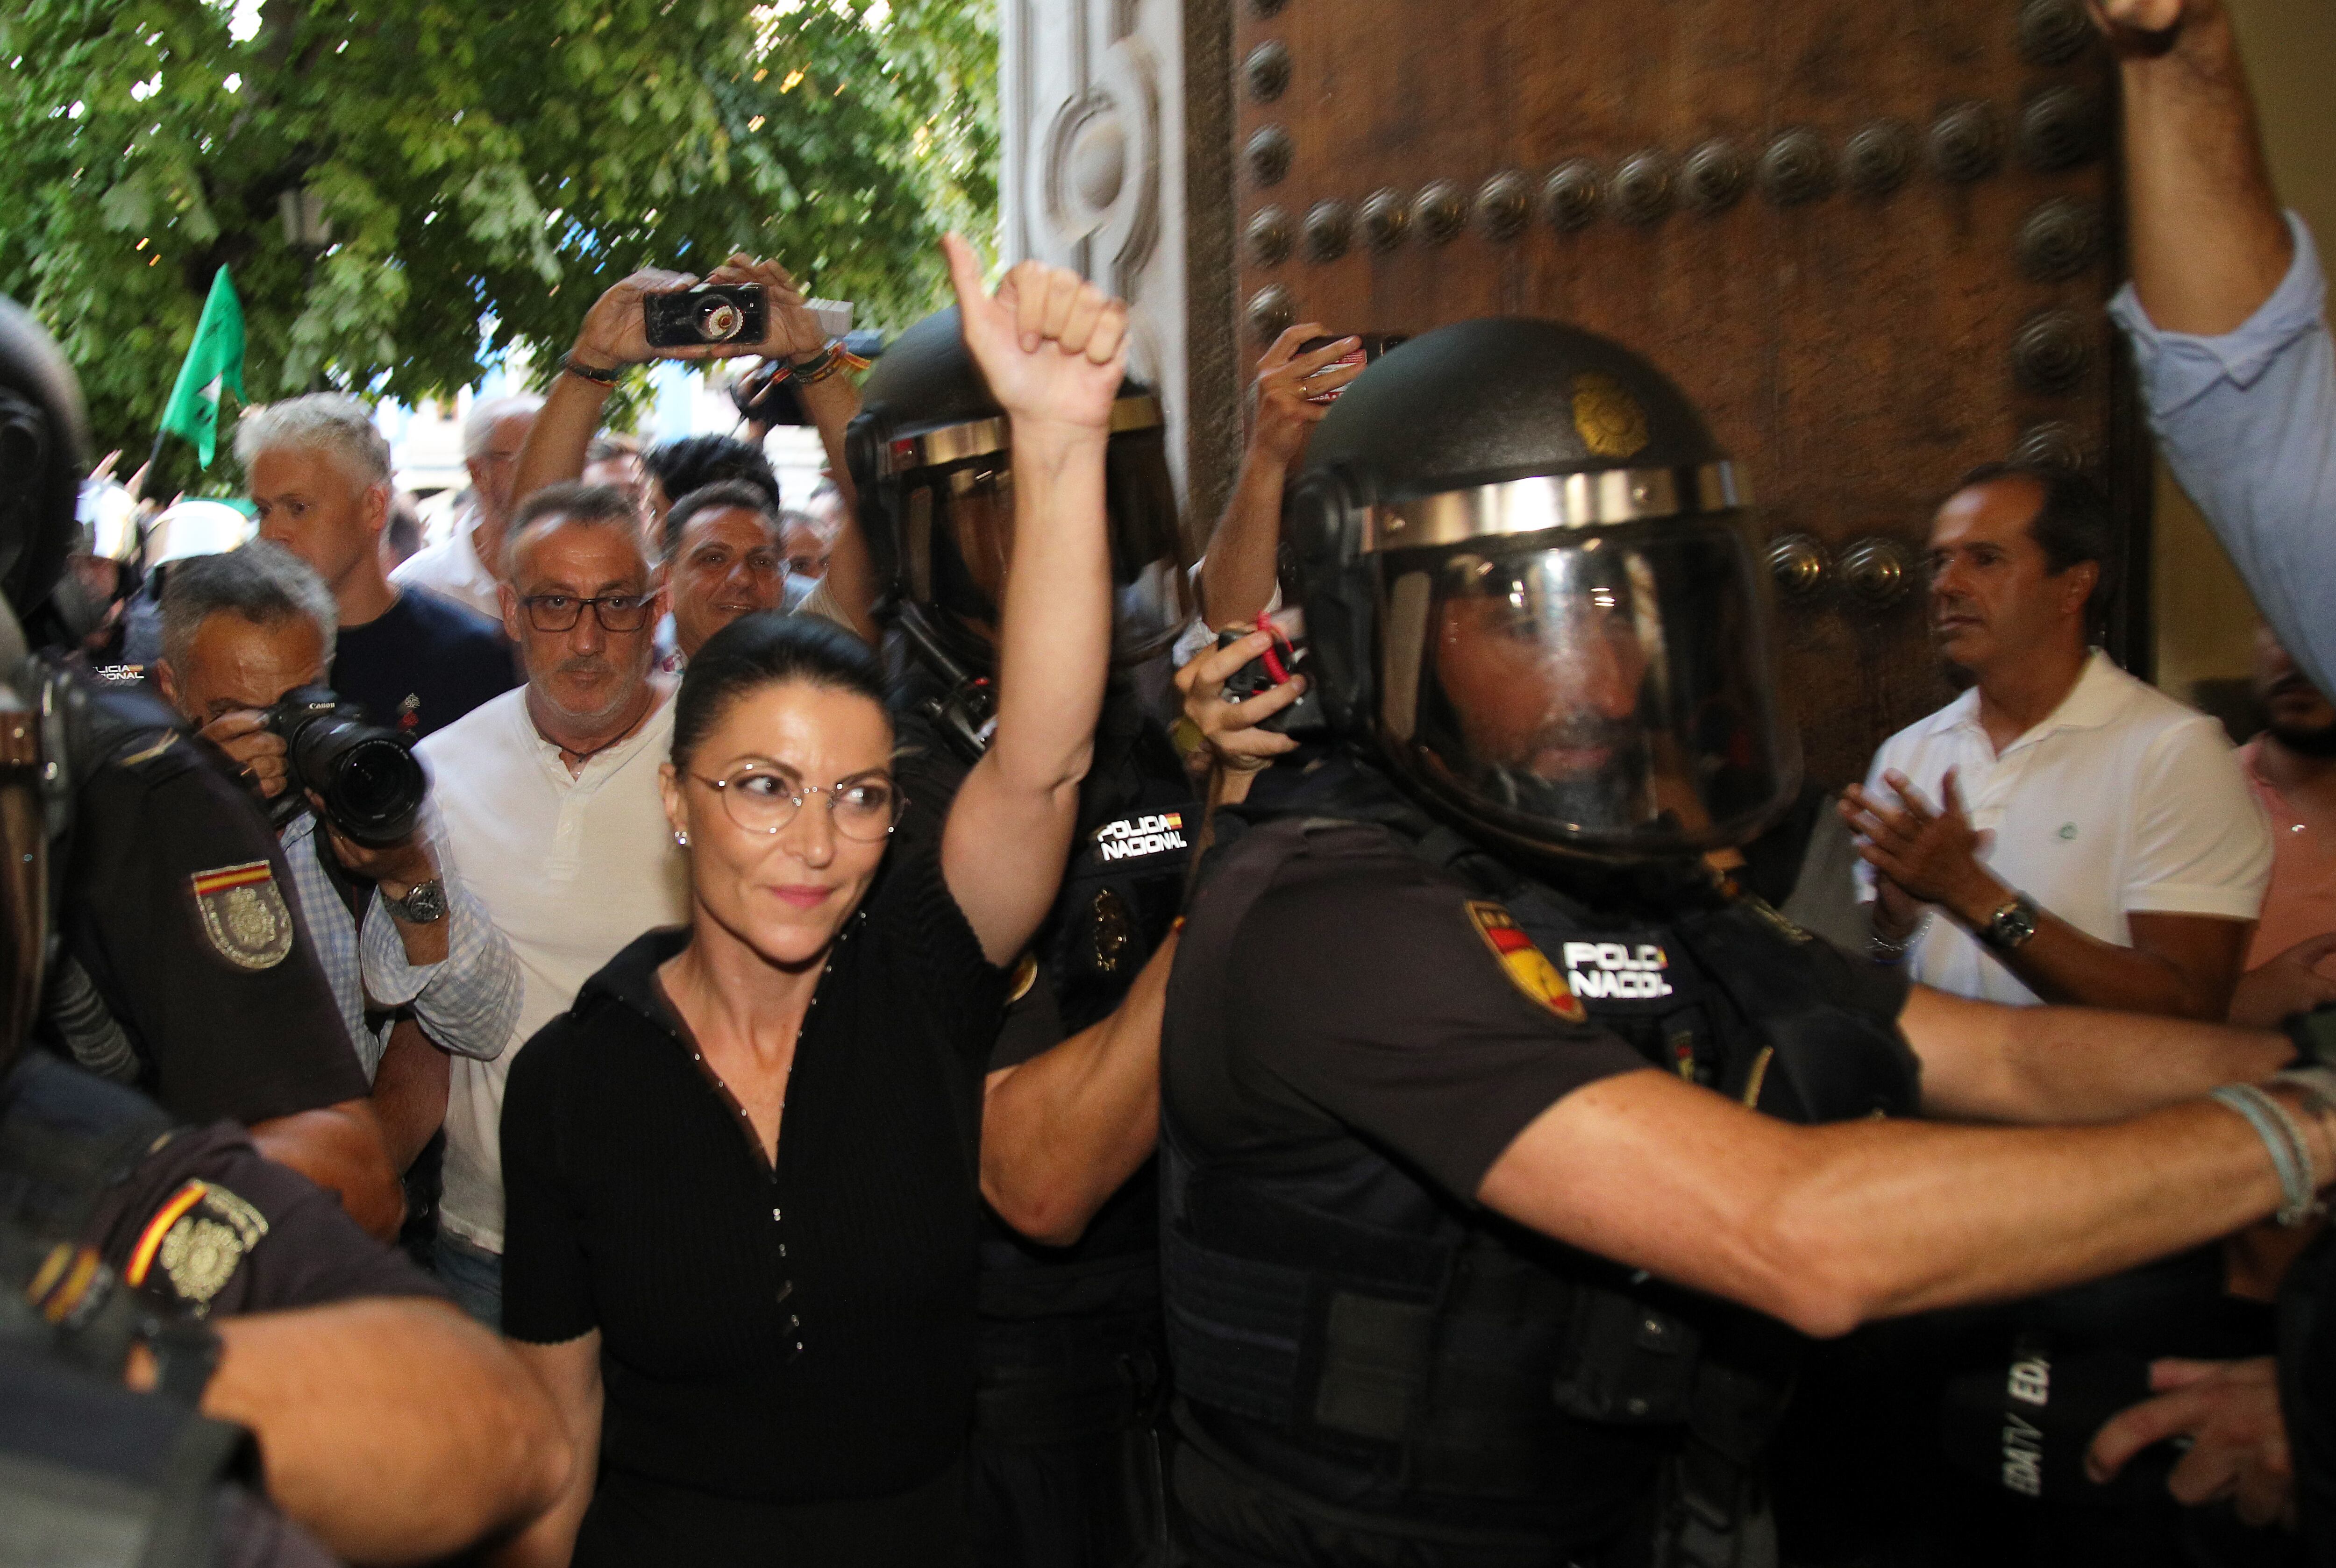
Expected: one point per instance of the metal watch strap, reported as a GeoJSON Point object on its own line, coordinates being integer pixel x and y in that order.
{"type": "Point", "coordinates": [424, 902]}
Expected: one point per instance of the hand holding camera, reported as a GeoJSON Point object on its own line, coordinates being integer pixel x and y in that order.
{"type": "Point", "coordinates": [746, 307]}
{"type": "Point", "coordinates": [1232, 715]}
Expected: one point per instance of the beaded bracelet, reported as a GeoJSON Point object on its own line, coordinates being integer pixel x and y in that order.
{"type": "Point", "coordinates": [2283, 1140]}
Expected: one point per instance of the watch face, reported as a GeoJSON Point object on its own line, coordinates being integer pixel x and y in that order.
{"type": "Point", "coordinates": [423, 903]}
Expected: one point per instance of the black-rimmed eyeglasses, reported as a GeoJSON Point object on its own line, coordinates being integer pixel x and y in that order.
{"type": "Point", "coordinates": [614, 612]}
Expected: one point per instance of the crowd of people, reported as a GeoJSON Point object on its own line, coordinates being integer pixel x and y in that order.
{"type": "Point", "coordinates": [929, 1028]}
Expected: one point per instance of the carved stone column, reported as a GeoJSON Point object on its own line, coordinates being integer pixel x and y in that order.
{"type": "Point", "coordinates": [1116, 116]}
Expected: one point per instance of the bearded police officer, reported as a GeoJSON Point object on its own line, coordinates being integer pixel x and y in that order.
{"type": "Point", "coordinates": [147, 1268]}
{"type": "Point", "coordinates": [1507, 1150]}
{"type": "Point", "coordinates": [1065, 1470]}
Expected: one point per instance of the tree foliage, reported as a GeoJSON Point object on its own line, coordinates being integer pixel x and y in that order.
{"type": "Point", "coordinates": [496, 164]}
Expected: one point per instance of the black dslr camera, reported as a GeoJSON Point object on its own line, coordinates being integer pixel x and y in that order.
{"type": "Point", "coordinates": [371, 785]}
{"type": "Point", "coordinates": [716, 313]}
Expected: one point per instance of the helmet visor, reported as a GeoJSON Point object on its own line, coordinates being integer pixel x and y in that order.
{"type": "Point", "coordinates": [1606, 694]}
{"type": "Point", "coordinates": [958, 539]}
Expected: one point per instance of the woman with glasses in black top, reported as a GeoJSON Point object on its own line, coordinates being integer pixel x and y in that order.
{"type": "Point", "coordinates": [742, 1173]}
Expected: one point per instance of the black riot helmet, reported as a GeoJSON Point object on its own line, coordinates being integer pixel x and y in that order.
{"type": "Point", "coordinates": [43, 436]}
{"type": "Point", "coordinates": [43, 439]}
{"type": "Point", "coordinates": [1530, 592]}
{"type": "Point", "coordinates": [929, 455]}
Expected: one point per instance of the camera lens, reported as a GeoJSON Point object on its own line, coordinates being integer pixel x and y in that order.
{"type": "Point", "coordinates": [719, 321]}
{"type": "Point", "coordinates": [371, 785]}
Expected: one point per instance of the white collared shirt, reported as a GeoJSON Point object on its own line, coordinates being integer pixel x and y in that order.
{"type": "Point", "coordinates": [2122, 802]}
{"type": "Point", "coordinates": [572, 869]}
{"type": "Point", "coordinates": [452, 570]}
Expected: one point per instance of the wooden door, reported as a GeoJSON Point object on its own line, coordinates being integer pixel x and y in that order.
{"type": "Point", "coordinates": [1871, 237]}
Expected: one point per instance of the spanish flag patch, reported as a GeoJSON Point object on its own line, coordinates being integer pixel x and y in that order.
{"type": "Point", "coordinates": [1525, 965]}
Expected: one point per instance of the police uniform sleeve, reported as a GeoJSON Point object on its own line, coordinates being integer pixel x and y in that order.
{"type": "Point", "coordinates": [206, 1224]}
{"type": "Point", "coordinates": [178, 909]}
{"type": "Point", "coordinates": [1369, 989]}
{"type": "Point", "coordinates": [547, 1277]}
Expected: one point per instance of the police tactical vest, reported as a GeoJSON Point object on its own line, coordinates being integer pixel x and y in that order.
{"type": "Point", "coordinates": [90, 1472]}
{"type": "Point", "coordinates": [1449, 1365]}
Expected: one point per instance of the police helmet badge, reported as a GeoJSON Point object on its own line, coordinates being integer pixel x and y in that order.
{"type": "Point", "coordinates": [1608, 420]}
{"type": "Point", "coordinates": [243, 915]}
{"type": "Point", "coordinates": [1528, 969]}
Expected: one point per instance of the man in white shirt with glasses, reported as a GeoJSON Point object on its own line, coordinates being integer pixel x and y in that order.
{"type": "Point", "coordinates": [549, 798]}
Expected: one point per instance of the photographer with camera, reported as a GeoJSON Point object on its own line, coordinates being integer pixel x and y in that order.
{"type": "Point", "coordinates": [244, 637]}
{"type": "Point", "coordinates": [745, 307]}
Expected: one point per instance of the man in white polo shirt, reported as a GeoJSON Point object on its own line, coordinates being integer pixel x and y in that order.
{"type": "Point", "coordinates": [463, 568]}
{"type": "Point", "coordinates": [549, 798]}
{"type": "Point", "coordinates": [2061, 832]}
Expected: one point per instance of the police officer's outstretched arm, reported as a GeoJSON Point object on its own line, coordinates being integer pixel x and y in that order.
{"type": "Point", "coordinates": [396, 1429]}
{"type": "Point", "coordinates": [1830, 1226]}
{"type": "Point", "coordinates": [1053, 349]}
{"type": "Point", "coordinates": [1062, 1131]}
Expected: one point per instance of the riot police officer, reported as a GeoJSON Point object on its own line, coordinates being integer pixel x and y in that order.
{"type": "Point", "coordinates": [176, 938]}
{"type": "Point", "coordinates": [1507, 1150]}
{"type": "Point", "coordinates": [1066, 1472]}
{"type": "Point", "coordinates": [138, 1254]}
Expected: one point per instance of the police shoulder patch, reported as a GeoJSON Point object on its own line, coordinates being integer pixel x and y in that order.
{"type": "Point", "coordinates": [1525, 965]}
{"type": "Point", "coordinates": [244, 914]}
{"type": "Point", "coordinates": [199, 1238]}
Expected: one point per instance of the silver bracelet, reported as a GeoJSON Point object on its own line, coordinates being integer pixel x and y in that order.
{"type": "Point", "coordinates": [1881, 949]}
{"type": "Point", "coordinates": [2283, 1139]}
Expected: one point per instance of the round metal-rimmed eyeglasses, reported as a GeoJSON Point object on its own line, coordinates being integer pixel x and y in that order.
{"type": "Point", "coordinates": [762, 800]}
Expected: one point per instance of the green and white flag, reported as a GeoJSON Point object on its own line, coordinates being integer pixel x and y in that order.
{"type": "Point", "coordinates": [215, 359]}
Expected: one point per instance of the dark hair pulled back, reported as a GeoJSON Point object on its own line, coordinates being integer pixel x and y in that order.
{"type": "Point", "coordinates": [766, 649]}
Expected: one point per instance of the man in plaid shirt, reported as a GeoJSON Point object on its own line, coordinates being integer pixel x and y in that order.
{"type": "Point", "coordinates": [417, 967]}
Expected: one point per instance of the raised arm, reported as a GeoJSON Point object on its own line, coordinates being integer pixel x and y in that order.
{"type": "Point", "coordinates": [398, 1430]}
{"type": "Point", "coordinates": [612, 338]}
{"type": "Point", "coordinates": [1053, 349]}
{"type": "Point", "coordinates": [1061, 1132]}
{"type": "Point", "coordinates": [2208, 243]}
{"type": "Point", "coordinates": [615, 336]}
{"type": "Point", "coordinates": [1240, 572]}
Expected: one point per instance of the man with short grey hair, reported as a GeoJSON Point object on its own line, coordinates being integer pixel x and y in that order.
{"type": "Point", "coordinates": [412, 959]}
{"type": "Point", "coordinates": [319, 476]}
{"type": "Point", "coordinates": [551, 803]}
{"type": "Point", "coordinates": [463, 566]}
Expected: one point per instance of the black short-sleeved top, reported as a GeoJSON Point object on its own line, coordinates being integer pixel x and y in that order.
{"type": "Point", "coordinates": [177, 903]}
{"type": "Point", "coordinates": [638, 1203]}
{"type": "Point", "coordinates": [1361, 1001]}
{"type": "Point", "coordinates": [422, 664]}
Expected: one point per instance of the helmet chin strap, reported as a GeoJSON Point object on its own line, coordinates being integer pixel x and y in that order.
{"type": "Point", "coordinates": [967, 712]}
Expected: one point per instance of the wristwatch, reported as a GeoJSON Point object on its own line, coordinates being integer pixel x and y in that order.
{"type": "Point", "coordinates": [2011, 926]}
{"type": "Point", "coordinates": [424, 902]}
